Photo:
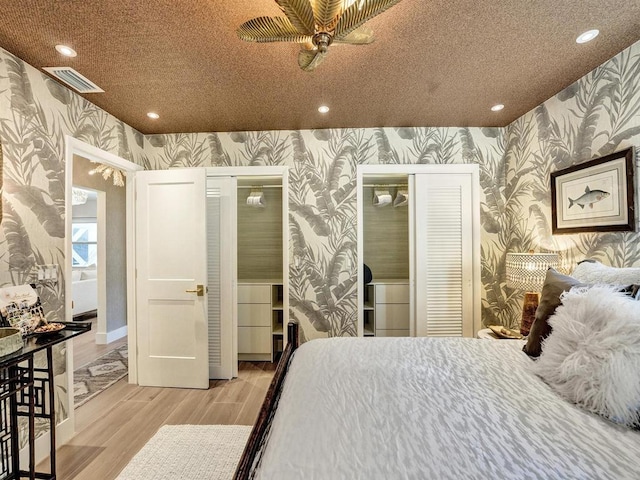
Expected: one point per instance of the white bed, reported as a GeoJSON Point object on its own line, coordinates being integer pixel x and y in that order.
{"type": "Point", "coordinates": [428, 408]}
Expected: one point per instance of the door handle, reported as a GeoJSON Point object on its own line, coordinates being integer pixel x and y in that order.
{"type": "Point", "coordinates": [199, 291]}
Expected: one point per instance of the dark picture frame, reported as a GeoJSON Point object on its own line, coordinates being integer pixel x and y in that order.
{"type": "Point", "coordinates": [595, 196]}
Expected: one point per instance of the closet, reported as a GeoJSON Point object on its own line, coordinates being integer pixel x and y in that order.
{"type": "Point", "coordinates": [419, 233]}
{"type": "Point", "coordinates": [385, 204]}
{"type": "Point", "coordinates": [210, 262]}
{"type": "Point", "coordinates": [259, 251]}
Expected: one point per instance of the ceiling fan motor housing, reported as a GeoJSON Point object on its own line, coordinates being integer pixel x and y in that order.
{"type": "Point", "coordinates": [322, 40]}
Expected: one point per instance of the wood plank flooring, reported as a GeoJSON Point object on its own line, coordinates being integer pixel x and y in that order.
{"type": "Point", "coordinates": [112, 427]}
{"type": "Point", "coordinates": [85, 349]}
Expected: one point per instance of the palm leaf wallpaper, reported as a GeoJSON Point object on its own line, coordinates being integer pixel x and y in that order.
{"type": "Point", "coordinates": [35, 115]}
{"type": "Point", "coordinates": [597, 115]}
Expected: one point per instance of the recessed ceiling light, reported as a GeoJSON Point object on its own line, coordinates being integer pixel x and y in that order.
{"type": "Point", "coordinates": [497, 108]}
{"type": "Point", "coordinates": [587, 36]}
{"type": "Point", "coordinates": [323, 109]}
{"type": "Point", "coordinates": [66, 51]}
{"type": "Point", "coordinates": [153, 115]}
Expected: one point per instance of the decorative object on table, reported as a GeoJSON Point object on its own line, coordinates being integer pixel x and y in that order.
{"type": "Point", "coordinates": [527, 272]}
{"type": "Point", "coordinates": [595, 196]}
{"type": "Point", "coordinates": [504, 332]}
{"type": "Point", "coordinates": [48, 328]}
{"type": "Point", "coordinates": [20, 307]}
{"type": "Point", "coordinates": [315, 25]}
{"type": "Point", "coordinates": [10, 340]}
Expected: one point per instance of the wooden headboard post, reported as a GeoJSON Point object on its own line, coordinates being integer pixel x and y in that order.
{"type": "Point", "coordinates": [261, 427]}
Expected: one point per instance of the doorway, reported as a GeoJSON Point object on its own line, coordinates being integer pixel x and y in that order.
{"type": "Point", "coordinates": [95, 245]}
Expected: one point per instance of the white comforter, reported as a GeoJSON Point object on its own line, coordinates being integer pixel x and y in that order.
{"type": "Point", "coordinates": [402, 408]}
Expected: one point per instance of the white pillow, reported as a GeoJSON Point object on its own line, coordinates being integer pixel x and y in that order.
{"type": "Point", "coordinates": [596, 272]}
{"type": "Point", "coordinates": [592, 357]}
{"type": "Point", "coordinates": [76, 275]}
{"type": "Point", "coordinates": [88, 274]}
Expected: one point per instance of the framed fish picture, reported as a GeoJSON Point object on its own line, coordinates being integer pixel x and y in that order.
{"type": "Point", "coordinates": [595, 196]}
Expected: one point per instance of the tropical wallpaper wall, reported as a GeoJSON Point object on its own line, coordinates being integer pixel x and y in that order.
{"type": "Point", "coordinates": [598, 114]}
{"type": "Point", "coordinates": [35, 115]}
{"type": "Point", "coordinates": [322, 196]}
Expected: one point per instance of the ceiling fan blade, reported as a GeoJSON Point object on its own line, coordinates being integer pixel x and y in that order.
{"type": "Point", "coordinates": [325, 12]}
{"type": "Point", "coordinates": [271, 29]}
{"type": "Point", "coordinates": [360, 36]}
{"type": "Point", "coordinates": [310, 59]}
{"type": "Point", "coordinates": [300, 14]}
{"type": "Point", "coordinates": [354, 16]}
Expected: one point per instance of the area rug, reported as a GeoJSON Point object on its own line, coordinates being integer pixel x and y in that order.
{"type": "Point", "coordinates": [91, 379]}
{"type": "Point", "coordinates": [195, 452]}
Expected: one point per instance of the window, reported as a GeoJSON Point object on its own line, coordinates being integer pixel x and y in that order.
{"type": "Point", "coordinates": [84, 241]}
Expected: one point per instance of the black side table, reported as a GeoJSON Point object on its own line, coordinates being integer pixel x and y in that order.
{"type": "Point", "coordinates": [26, 391]}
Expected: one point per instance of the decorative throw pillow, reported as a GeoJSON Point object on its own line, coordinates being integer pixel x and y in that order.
{"type": "Point", "coordinates": [555, 284]}
{"type": "Point", "coordinates": [593, 357]}
{"type": "Point", "coordinates": [594, 272]}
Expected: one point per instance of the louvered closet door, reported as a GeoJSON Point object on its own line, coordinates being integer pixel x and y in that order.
{"type": "Point", "coordinates": [444, 255]}
{"type": "Point", "coordinates": [220, 263]}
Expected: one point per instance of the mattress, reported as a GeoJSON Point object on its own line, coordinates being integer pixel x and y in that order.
{"type": "Point", "coordinates": [434, 408]}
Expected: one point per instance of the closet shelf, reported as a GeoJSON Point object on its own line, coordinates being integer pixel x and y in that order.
{"type": "Point", "coordinates": [277, 306]}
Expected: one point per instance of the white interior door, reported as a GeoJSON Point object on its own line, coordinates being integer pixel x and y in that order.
{"type": "Point", "coordinates": [444, 254]}
{"type": "Point", "coordinates": [171, 247]}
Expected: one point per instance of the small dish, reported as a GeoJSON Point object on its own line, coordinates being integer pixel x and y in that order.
{"type": "Point", "coordinates": [49, 328]}
{"type": "Point", "coordinates": [503, 332]}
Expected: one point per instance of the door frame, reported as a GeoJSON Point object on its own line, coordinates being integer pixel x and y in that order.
{"type": "Point", "coordinates": [412, 169]}
{"type": "Point", "coordinates": [73, 146]}
{"type": "Point", "coordinates": [258, 171]}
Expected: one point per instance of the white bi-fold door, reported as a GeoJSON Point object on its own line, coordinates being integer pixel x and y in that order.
{"type": "Point", "coordinates": [444, 249]}
{"type": "Point", "coordinates": [179, 278]}
{"type": "Point", "coordinates": [443, 245]}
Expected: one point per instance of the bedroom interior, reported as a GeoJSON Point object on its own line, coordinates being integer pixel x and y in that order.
{"type": "Point", "coordinates": [595, 112]}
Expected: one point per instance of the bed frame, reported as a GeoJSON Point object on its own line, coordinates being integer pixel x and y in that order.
{"type": "Point", "coordinates": [258, 435]}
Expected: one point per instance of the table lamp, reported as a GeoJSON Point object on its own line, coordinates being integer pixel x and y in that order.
{"type": "Point", "coordinates": [527, 271]}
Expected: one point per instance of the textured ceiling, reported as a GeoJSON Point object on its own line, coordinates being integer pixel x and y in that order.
{"type": "Point", "coordinates": [434, 62]}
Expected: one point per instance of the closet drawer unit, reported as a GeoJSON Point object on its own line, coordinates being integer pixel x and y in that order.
{"type": "Point", "coordinates": [391, 293]}
{"type": "Point", "coordinates": [254, 293]}
{"type": "Point", "coordinates": [254, 340]}
{"type": "Point", "coordinates": [392, 333]}
{"type": "Point", "coordinates": [392, 316]}
{"type": "Point", "coordinates": [254, 315]}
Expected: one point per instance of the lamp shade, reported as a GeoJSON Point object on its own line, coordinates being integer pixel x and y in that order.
{"type": "Point", "coordinates": [527, 271]}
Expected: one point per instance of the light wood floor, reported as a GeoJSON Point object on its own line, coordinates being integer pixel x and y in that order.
{"type": "Point", "coordinates": [85, 349]}
{"type": "Point", "coordinates": [112, 427]}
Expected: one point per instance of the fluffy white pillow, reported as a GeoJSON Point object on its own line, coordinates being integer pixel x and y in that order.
{"type": "Point", "coordinates": [596, 272]}
{"type": "Point", "coordinates": [592, 357]}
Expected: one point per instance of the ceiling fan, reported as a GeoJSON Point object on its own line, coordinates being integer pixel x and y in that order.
{"type": "Point", "coordinates": [316, 24]}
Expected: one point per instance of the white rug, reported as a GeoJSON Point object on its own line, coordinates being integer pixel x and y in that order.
{"type": "Point", "coordinates": [189, 452]}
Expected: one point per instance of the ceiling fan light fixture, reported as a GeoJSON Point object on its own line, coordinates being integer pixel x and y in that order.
{"type": "Point", "coordinates": [66, 51]}
{"type": "Point", "coordinates": [319, 23]}
{"type": "Point", "coordinates": [587, 36]}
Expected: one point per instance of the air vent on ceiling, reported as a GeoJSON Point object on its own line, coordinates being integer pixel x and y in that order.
{"type": "Point", "coordinates": [72, 78]}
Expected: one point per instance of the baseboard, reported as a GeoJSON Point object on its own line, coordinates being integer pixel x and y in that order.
{"type": "Point", "coordinates": [64, 433]}
{"type": "Point", "coordinates": [105, 338]}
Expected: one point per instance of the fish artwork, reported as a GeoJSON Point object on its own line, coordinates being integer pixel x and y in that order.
{"type": "Point", "coordinates": [589, 198]}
